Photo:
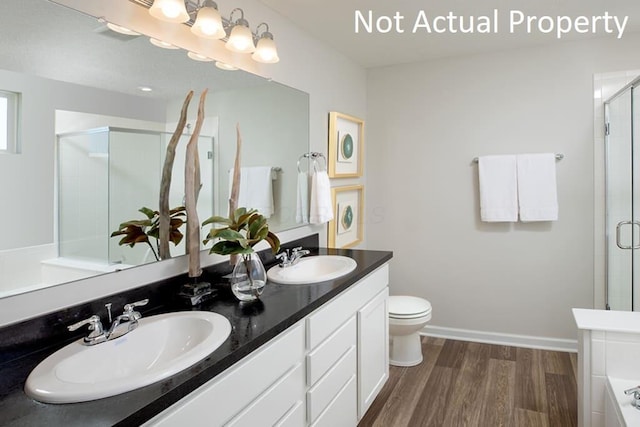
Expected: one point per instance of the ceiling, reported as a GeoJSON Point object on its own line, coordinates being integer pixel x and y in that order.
{"type": "Point", "coordinates": [333, 21]}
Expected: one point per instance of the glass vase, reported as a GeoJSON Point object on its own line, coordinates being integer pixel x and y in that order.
{"type": "Point", "coordinates": [248, 277]}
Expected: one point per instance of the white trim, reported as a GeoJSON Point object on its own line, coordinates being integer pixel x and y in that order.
{"type": "Point", "coordinates": [526, 341]}
{"type": "Point", "coordinates": [11, 122]}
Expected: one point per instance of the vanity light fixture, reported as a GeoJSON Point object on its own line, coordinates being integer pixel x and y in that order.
{"type": "Point", "coordinates": [162, 44]}
{"type": "Point", "coordinates": [240, 38]}
{"type": "Point", "coordinates": [170, 11]}
{"type": "Point", "coordinates": [198, 57]}
{"type": "Point", "coordinates": [266, 51]}
{"type": "Point", "coordinates": [206, 22]}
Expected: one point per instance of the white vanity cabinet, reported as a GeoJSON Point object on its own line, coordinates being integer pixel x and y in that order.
{"type": "Point", "coordinates": [265, 388]}
{"type": "Point", "coordinates": [349, 331]}
{"type": "Point", "coordinates": [324, 371]}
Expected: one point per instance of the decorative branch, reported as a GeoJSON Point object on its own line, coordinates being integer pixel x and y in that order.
{"type": "Point", "coordinates": [235, 185]}
{"type": "Point", "coordinates": [165, 182]}
{"type": "Point", "coordinates": [192, 190]}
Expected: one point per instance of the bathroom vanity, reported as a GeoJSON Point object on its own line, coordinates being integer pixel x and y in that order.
{"type": "Point", "coordinates": [312, 354]}
{"type": "Point", "coordinates": [326, 369]}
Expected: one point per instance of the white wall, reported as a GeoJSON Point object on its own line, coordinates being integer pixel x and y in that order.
{"type": "Point", "coordinates": [333, 82]}
{"type": "Point", "coordinates": [426, 122]}
{"type": "Point", "coordinates": [32, 171]}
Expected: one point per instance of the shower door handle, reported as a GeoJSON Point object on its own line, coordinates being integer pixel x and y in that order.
{"type": "Point", "coordinates": [618, 232]}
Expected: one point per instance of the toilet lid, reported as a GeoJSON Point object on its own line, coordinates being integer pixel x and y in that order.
{"type": "Point", "coordinates": [402, 305]}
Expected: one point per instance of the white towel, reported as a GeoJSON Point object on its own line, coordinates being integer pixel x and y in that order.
{"type": "Point", "coordinates": [537, 192]}
{"type": "Point", "coordinates": [256, 189]}
{"type": "Point", "coordinates": [498, 188]}
{"type": "Point", "coordinates": [302, 198]}
{"type": "Point", "coordinates": [321, 209]}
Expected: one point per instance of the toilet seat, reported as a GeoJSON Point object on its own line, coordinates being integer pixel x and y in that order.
{"type": "Point", "coordinates": [408, 307]}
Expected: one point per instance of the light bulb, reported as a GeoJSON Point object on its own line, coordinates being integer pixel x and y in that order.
{"type": "Point", "coordinates": [241, 39]}
{"type": "Point", "coordinates": [208, 23]}
{"type": "Point", "coordinates": [266, 50]}
{"type": "Point", "coordinates": [169, 11]}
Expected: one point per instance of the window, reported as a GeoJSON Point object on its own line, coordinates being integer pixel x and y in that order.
{"type": "Point", "coordinates": [9, 121]}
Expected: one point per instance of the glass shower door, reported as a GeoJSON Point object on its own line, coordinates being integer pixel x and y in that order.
{"type": "Point", "coordinates": [622, 204]}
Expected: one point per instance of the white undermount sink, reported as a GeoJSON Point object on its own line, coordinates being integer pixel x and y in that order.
{"type": "Point", "coordinates": [159, 347]}
{"type": "Point", "coordinates": [312, 269]}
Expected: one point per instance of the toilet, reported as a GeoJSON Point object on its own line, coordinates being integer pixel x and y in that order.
{"type": "Point", "coordinates": [407, 316]}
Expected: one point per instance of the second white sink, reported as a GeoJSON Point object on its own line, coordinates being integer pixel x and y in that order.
{"type": "Point", "coordinates": [161, 346]}
{"type": "Point", "coordinates": [312, 269]}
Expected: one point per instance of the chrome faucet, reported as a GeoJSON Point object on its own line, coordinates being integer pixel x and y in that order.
{"type": "Point", "coordinates": [287, 259]}
{"type": "Point", "coordinates": [128, 318]}
{"type": "Point", "coordinates": [636, 396]}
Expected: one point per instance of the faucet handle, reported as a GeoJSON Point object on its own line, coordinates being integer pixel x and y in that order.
{"type": "Point", "coordinates": [95, 325]}
{"type": "Point", "coordinates": [283, 256]}
{"type": "Point", "coordinates": [295, 250]}
{"type": "Point", "coordinates": [128, 308]}
{"type": "Point", "coordinates": [635, 391]}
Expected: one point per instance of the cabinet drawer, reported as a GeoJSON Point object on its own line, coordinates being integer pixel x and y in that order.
{"type": "Point", "coordinates": [320, 395]}
{"type": "Point", "coordinates": [342, 411]}
{"type": "Point", "coordinates": [327, 354]}
{"type": "Point", "coordinates": [274, 403]}
{"type": "Point", "coordinates": [217, 401]}
{"type": "Point", "coordinates": [296, 416]}
{"type": "Point", "coordinates": [325, 320]}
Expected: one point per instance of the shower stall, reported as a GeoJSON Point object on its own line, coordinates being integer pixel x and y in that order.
{"type": "Point", "coordinates": [622, 172]}
{"type": "Point", "coordinates": [105, 176]}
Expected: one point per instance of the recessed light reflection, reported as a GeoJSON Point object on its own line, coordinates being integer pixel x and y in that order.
{"type": "Point", "coordinates": [197, 57]}
{"type": "Point", "coordinates": [225, 66]}
{"type": "Point", "coordinates": [122, 30]}
{"type": "Point", "coordinates": [162, 44]}
{"type": "Point", "coordinates": [145, 88]}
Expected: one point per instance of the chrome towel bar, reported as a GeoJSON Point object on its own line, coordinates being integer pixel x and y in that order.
{"type": "Point", "coordinates": [559, 156]}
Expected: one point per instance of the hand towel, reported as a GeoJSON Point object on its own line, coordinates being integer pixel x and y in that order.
{"type": "Point", "coordinates": [302, 198]}
{"type": "Point", "coordinates": [537, 192]}
{"type": "Point", "coordinates": [256, 189]}
{"type": "Point", "coordinates": [498, 188]}
{"type": "Point", "coordinates": [321, 209]}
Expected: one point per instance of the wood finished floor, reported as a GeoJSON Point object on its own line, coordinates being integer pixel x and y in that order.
{"type": "Point", "coordinates": [471, 384]}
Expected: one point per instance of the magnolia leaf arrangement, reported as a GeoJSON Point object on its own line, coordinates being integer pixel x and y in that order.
{"type": "Point", "coordinates": [241, 232]}
{"type": "Point", "coordinates": [139, 231]}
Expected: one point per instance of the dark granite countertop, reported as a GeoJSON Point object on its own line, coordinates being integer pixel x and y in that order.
{"type": "Point", "coordinates": [254, 324]}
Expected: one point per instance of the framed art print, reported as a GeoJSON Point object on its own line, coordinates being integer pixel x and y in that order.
{"type": "Point", "coordinates": [346, 142]}
{"type": "Point", "coordinates": [345, 230]}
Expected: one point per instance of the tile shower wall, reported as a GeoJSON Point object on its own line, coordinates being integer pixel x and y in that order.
{"type": "Point", "coordinates": [612, 354]}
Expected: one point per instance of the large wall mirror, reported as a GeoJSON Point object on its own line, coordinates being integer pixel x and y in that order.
{"type": "Point", "coordinates": [91, 143]}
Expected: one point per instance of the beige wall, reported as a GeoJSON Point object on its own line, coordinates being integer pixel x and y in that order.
{"type": "Point", "coordinates": [426, 122]}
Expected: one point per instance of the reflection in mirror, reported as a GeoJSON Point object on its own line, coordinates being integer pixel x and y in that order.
{"type": "Point", "coordinates": [92, 144]}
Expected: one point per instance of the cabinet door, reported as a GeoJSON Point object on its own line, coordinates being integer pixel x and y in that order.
{"type": "Point", "coordinates": [222, 398]}
{"type": "Point", "coordinates": [275, 403]}
{"type": "Point", "coordinates": [373, 350]}
{"type": "Point", "coordinates": [341, 412]}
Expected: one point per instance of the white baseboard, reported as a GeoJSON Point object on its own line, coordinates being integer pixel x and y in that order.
{"type": "Point", "coordinates": [527, 341]}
